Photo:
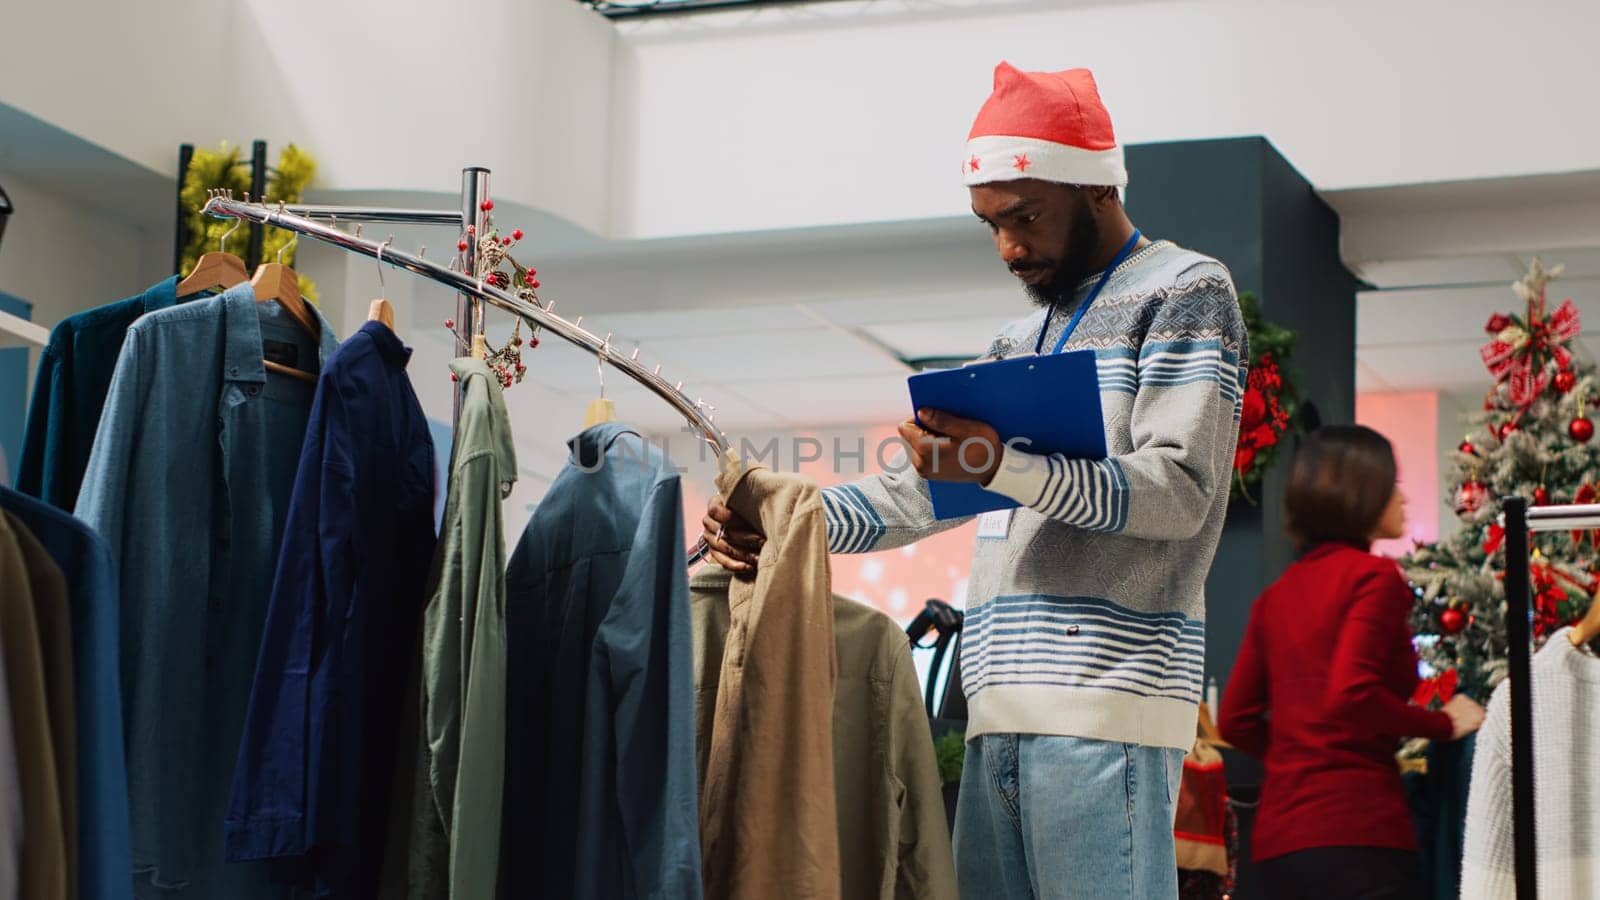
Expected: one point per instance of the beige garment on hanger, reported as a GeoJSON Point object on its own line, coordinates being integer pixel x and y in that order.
{"type": "Point", "coordinates": [894, 840]}
{"type": "Point", "coordinates": [36, 643]}
{"type": "Point", "coordinates": [768, 817]}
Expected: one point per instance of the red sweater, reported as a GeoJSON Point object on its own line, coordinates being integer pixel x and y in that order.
{"type": "Point", "coordinates": [1321, 694]}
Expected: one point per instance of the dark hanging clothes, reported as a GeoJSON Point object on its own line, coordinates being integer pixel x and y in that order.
{"type": "Point", "coordinates": [189, 483]}
{"type": "Point", "coordinates": [69, 392]}
{"type": "Point", "coordinates": [313, 778]}
{"type": "Point", "coordinates": [600, 775]}
{"type": "Point", "coordinates": [104, 857]}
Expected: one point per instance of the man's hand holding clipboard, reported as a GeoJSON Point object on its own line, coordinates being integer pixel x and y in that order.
{"type": "Point", "coordinates": [947, 447]}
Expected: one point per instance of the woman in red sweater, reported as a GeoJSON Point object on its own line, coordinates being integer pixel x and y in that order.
{"type": "Point", "coordinates": [1321, 689]}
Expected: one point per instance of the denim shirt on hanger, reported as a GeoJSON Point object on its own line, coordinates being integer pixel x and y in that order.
{"type": "Point", "coordinates": [188, 482]}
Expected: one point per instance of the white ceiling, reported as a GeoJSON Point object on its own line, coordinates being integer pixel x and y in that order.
{"type": "Point", "coordinates": [1428, 338]}
{"type": "Point", "coordinates": [1442, 258]}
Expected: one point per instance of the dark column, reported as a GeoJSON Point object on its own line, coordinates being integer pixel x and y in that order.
{"type": "Point", "coordinates": [1240, 201]}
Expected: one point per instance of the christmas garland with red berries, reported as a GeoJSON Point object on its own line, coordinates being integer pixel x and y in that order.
{"type": "Point", "coordinates": [1271, 398]}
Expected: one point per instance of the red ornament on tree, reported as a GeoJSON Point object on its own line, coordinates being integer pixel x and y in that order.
{"type": "Point", "coordinates": [1581, 430]}
{"type": "Point", "coordinates": [486, 205]}
{"type": "Point", "coordinates": [516, 234]}
{"type": "Point", "coordinates": [1565, 380]}
{"type": "Point", "coordinates": [1467, 448]}
{"type": "Point", "coordinates": [1507, 428]}
{"type": "Point", "coordinates": [1470, 497]}
{"type": "Point", "coordinates": [462, 246]}
{"type": "Point", "coordinates": [1452, 621]}
{"type": "Point", "coordinates": [1541, 497]}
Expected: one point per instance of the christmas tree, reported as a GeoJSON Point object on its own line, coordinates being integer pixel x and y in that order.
{"type": "Point", "coordinates": [1533, 439]}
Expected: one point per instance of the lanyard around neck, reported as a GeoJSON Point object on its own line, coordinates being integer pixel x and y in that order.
{"type": "Point", "coordinates": [1122, 256]}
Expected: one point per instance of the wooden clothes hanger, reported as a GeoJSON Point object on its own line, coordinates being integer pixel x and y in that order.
{"type": "Point", "coordinates": [216, 269]}
{"type": "Point", "coordinates": [276, 281]}
{"type": "Point", "coordinates": [600, 409]}
{"type": "Point", "coordinates": [381, 310]}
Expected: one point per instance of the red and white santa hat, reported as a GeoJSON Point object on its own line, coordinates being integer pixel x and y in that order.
{"type": "Point", "coordinates": [1045, 125]}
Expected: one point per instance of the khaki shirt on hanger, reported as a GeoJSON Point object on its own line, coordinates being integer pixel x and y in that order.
{"type": "Point", "coordinates": [768, 817]}
{"type": "Point", "coordinates": [894, 842]}
{"type": "Point", "coordinates": [36, 633]}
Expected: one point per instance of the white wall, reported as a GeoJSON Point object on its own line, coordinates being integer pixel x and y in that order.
{"type": "Point", "coordinates": [852, 112]}
{"type": "Point", "coordinates": [395, 95]}
{"type": "Point", "coordinates": [64, 257]}
{"type": "Point", "coordinates": [803, 115]}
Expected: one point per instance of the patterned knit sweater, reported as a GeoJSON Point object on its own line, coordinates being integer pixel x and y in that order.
{"type": "Point", "coordinates": [1566, 795]}
{"type": "Point", "coordinates": [1087, 619]}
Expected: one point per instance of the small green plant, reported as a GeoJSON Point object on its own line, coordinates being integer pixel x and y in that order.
{"type": "Point", "coordinates": [950, 750]}
{"type": "Point", "coordinates": [226, 168]}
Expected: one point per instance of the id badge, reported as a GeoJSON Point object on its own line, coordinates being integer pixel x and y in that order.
{"type": "Point", "coordinates": [995, 525]}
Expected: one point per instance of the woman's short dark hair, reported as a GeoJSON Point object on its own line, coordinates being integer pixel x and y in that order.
{"type": "Point", "coordinates": [1342, 479]}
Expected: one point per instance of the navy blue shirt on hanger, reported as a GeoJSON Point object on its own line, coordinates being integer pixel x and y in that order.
{"type": "Point", "coordinates": [70, 390]}
{"type": "Point", "coordinates": [313, 781]}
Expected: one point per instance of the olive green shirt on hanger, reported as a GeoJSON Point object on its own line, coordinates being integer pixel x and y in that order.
{"type": "Point", "coordinates": [456, 810]}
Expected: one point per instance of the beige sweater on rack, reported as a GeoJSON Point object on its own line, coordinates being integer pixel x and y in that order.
{"type": "Point", "coordinates": [1566, 752]}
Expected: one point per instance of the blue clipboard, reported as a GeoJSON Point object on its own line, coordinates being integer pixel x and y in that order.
{"type": "Point", "coordinates": [1053, 401]}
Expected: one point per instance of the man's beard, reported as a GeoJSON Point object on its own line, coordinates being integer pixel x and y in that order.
{"type": "Point", "coordinates": [1083, 241]}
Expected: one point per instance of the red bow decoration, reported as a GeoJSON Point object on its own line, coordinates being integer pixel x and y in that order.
{"type": "Point", "coordinates": [1441, 688]}
{"type": "Point", "coordinates": [1520, 349]}
{"type": "Point", "coordinates": [1497, 536]}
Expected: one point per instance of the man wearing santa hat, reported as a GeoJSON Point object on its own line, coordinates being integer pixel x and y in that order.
{"type": "Point", "coordinates": [1084, 647]}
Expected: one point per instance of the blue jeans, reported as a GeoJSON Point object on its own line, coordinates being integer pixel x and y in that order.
{"type": "Point", "coordinates": [1049, 818]}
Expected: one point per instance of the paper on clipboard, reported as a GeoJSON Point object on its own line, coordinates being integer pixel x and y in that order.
{"type": "Point", "coordinates": [1053, 402]}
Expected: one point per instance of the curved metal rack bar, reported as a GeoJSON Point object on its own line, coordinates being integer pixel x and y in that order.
{"type": "Point", "coordinates": [694, 411]}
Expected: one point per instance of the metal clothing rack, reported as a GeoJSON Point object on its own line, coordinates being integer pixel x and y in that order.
{"type": "Point", "coordinates": [473, 292]}
{"type": "Point", "coordinates": [1520, 523]}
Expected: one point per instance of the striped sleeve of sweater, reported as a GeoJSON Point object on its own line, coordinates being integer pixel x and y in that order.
{"type": "Point", "coordinates": [1189, 373]}
{"type": "Point", "coordinates": [881, 512]}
